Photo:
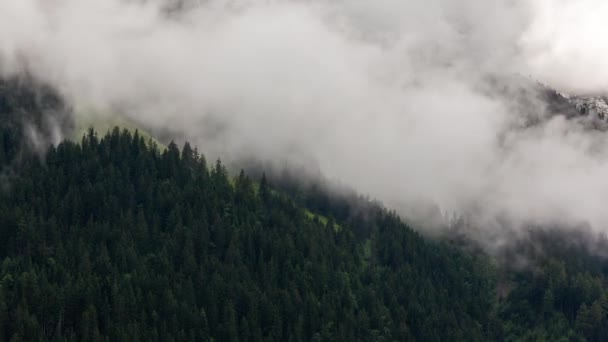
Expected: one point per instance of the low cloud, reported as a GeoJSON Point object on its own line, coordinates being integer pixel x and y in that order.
{"type": "Point", "coordinates": [410, 102]}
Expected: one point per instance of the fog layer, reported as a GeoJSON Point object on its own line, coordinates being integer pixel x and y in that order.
{"type": "Point", "coordinates": [408, 101]}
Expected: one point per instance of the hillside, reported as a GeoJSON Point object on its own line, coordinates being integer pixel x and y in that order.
{"type": "Point", "coordinates": [112, 239]}
{"type": "Point", "coordinates": [109, 238]}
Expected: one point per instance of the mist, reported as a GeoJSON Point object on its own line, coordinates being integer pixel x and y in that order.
{"type": "Point", "coordinates": [410, 102]}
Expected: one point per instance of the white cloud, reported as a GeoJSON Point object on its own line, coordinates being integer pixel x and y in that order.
{"type": "Point", "coordinates": [391, 97]}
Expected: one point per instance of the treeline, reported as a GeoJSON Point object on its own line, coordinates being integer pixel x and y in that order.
{"type": "Point", "coordinates": [112, 239]}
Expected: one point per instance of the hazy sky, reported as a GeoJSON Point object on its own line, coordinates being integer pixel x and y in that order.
{"type": "Point", "coordinates": [393, 98]}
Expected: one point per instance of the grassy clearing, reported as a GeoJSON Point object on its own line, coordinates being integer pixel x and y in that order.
{"type": "Point", "coordinates": [321, 218]}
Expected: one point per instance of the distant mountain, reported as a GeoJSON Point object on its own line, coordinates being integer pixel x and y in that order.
{"type": "Point", "coordinates": [593, 108]}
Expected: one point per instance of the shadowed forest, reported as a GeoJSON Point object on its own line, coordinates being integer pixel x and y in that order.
{"type": "Point", "coordinates": [110, 238]}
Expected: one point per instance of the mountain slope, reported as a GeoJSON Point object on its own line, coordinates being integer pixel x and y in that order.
{"type": "Point", "coordinates": [112, 239]}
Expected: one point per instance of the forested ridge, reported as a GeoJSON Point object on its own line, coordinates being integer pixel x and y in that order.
{"type": "Point", "coordinates": [113, 239]}
{"type": "Point", "coordinates": [110, 238]}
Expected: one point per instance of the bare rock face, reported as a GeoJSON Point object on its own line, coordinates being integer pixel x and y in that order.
{"type": "Point", "coordinates": [595, 107]}
{"type": "Point", "coordinates": [592, 110]}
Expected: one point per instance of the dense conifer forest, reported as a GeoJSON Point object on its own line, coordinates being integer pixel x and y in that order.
{"type": "Point", "coordinates": [110, 238]}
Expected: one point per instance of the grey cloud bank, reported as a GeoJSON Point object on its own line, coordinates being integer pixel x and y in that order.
{"type": "Point", "coordinates": [409, 101]}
